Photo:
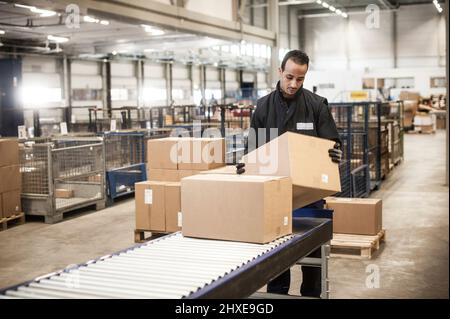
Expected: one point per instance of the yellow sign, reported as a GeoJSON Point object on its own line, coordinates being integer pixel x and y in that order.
{"type": "Point", "coordinates": [359, 95]}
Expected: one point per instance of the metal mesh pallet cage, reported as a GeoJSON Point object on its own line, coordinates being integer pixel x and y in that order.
{"type": "Point", "coordinates": [73, 165]}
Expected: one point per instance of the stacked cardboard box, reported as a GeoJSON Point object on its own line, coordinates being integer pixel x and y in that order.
{"type": "Point", "coordinates": [10, 179]}
{"type": "Point", "coordinates": [360, 216]}
{"type": "Point", "coordinates": [411, 104]}
{"type": "Point", "coordinates": [158, 201]}
{"type": "Point", "coordinates": [173, 158]}
{"type": "Point", "coordinates": [289, 172]}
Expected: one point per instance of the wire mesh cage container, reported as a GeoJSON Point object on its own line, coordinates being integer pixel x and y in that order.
{"type": "Point", "coordinates": [124, 162]}
{"type": "Point", "coordinates": [62, 175]}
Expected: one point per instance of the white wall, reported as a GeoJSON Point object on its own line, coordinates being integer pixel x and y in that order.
{"type": "Point", "coordinates": [344, 51]}
{"type": "Point", "coordinates": [337, 43]}
{"type": "Point", "coordinates": [222, 9]}
{"type": "Point", "coordinates": [289, 37]}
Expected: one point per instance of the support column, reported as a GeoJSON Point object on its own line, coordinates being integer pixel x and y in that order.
{"type": "Point", "coordinates": [274, 25]}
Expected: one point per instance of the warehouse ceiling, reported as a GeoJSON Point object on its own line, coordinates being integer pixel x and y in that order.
{"type": "Point", "coordinates": [24, 29]}
{"type": "Point", "coordinates": [27, 31]}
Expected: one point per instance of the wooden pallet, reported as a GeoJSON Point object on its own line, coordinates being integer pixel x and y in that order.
{"type": "Point", "coordinates": [139, 235]}
{"type": "Point", "coordinates": [356, 246]}
{"type": "Point", "coordinates": [17, 219]}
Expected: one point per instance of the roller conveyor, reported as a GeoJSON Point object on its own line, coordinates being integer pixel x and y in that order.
{"type": "Point", "coordinates": [174, 266]}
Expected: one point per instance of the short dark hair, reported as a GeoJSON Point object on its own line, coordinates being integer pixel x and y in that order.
{"type": "Point", "coordinates": [297, 56]}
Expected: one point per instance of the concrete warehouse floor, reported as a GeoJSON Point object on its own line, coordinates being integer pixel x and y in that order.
{"type": "Point", "coordinates": [412, 264]}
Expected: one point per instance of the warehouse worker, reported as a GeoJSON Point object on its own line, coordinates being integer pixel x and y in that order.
{"type": "Point", "coordinates": [292, 108]}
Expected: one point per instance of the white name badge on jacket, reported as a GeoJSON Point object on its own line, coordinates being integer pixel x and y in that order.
{"type": "Point", "coordinates": [305, 126]}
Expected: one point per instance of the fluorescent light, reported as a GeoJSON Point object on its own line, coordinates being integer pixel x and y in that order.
{"type": "Point", "coordinates": [43, 13]}
{"type": "Point", "coordinates": [57, 39]}
{"type": "Point", "coordinates": [437, 5]}
{"type": "Point", "coordinates": [345, 15]}
{"type": "Point", "coordinates": [332, 8]}
{"type": "Point", "coordinates": [2, 32]}
{"type": "Point", "coordinates": [325, 5]}
{"type": "Point", "coordinates": [95, 20]}
{"type": "Point", "coordinates": [152, 30]}
{"type": "Point", "coordinates": [319, 1]}
{"type": "Point", "coordinates": [90, 19]}
{"type": "Point", "coordinates": [338, 11]}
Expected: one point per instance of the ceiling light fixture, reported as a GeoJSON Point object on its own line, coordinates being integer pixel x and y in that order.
{"type": "Point", "coordinates": [438, 6]}
{"type": "Point", "coordinates": [333, 9]}
{"type": "Point", "coordinates": [57, 39]}
{"type": "Point", "coordinates": [152, 30]}
{"type": "Point", "coordinates": [2, 32]}
{"type": "Point", "coordinates": [42, 12]}
{"type": "Point", "coordinates": [95, 20]}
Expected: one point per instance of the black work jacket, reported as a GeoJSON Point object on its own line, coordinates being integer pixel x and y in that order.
{"type": "Point", "coordinates": [307, 113]}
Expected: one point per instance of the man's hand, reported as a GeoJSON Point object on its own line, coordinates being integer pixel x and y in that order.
{"type": "Point", "coordinates": [240, 168]}
{"type": "Point", "coordinates": [335, 153]}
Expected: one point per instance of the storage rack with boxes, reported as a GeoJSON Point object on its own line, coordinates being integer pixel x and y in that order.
{"type": "Point", "coordinates": [61, 175]}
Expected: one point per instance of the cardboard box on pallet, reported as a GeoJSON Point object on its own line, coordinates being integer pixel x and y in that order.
{"type": "Point", "coordinates": [11, 203]}
{"type": "Point", "coordinates": [158, 206]}
{"type": "Point", "coordinates": [149, 201]}
{"type": "Point", "coordinates": [10, 178]}
{"type": "Point", "coordinates": [256, 209]}
{"type": "Point", "coordinates": [304, 159]}
{"type": "Point", "coordinates": [63, 193]}
{"type": "Point", "coordinates": [163, 153]}
{"type": "Point", "coordinates": [185, 153]}
{"type": "Point", "coordinates": [9, 150]}
{"type": "Point", "coordinates": [169, 175]}
{"type": "Point", "coordinates": [201, 153]}
{"type": "Point", "coordinates": [361, 216]}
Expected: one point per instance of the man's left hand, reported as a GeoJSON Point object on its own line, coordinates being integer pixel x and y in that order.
{"type": "Point", "coordinates": [335, 153]}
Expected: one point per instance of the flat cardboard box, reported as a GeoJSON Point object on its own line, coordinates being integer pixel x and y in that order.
{"type": "Point", "coordinates": [173, 206]}
{"type": "Point", "coordinates": [10, 178]}
{"type": "Point", "coordinates": [11, 203]}
{"type": "Point", "coordinates": [201, 153]}
{"type": "Point", "coordinates": [163, 153]}
{"type": "Point", "coordinates": [9, 152]}
{"type": "Point", "coordinates": [63, 193]}
{"type": "Point", "coordinates": [361, 216]}
{"type": "Point", "coordinates": [163, 175]}
{"type": "Point", "coordinates": [149, 201]}
{"type": "Point", "coordinates": [255, 209]}
{"type": "Point", "coordinates": [304, 159]}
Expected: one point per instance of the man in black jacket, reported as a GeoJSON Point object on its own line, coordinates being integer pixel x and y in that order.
{"type": "Point", "coordinates": [292, 108]}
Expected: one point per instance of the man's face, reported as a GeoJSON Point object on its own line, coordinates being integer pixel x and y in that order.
{"type": "Point", "coordinates": [292, 78]}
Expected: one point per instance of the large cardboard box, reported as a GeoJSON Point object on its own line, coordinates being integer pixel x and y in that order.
{"type": "Point", "coordinates": [173, 206]}
{"type": "Point", "coordinates": [11, 203]}
{"type": "Point", "coordinates": [63, 193]}
{"type": "Point", "coordinates": [150, 210]}
{"type": "Point", "coordinates": [407, 95]}
{"type": "Point", "coordinates": [229, 169]}
{"type": "Point", "coordinates": [10, 178]}
{"type": "Point", "coordinates": [304, 159]}
{"type": "Point", "coordinates": [169, 175]}
{"type": "Point", "coordinates": [201, 153]}
{"type": "Point", "coordinates": [362, 216]}
{"type": "Point", "coordinates": [163, 153]}
{"type": "Point", "coordinates": [163, 175]}
{"type": "Point", "coordinates": [256, 209]}
{"type": "Point", "coordinates": [9, 152]}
